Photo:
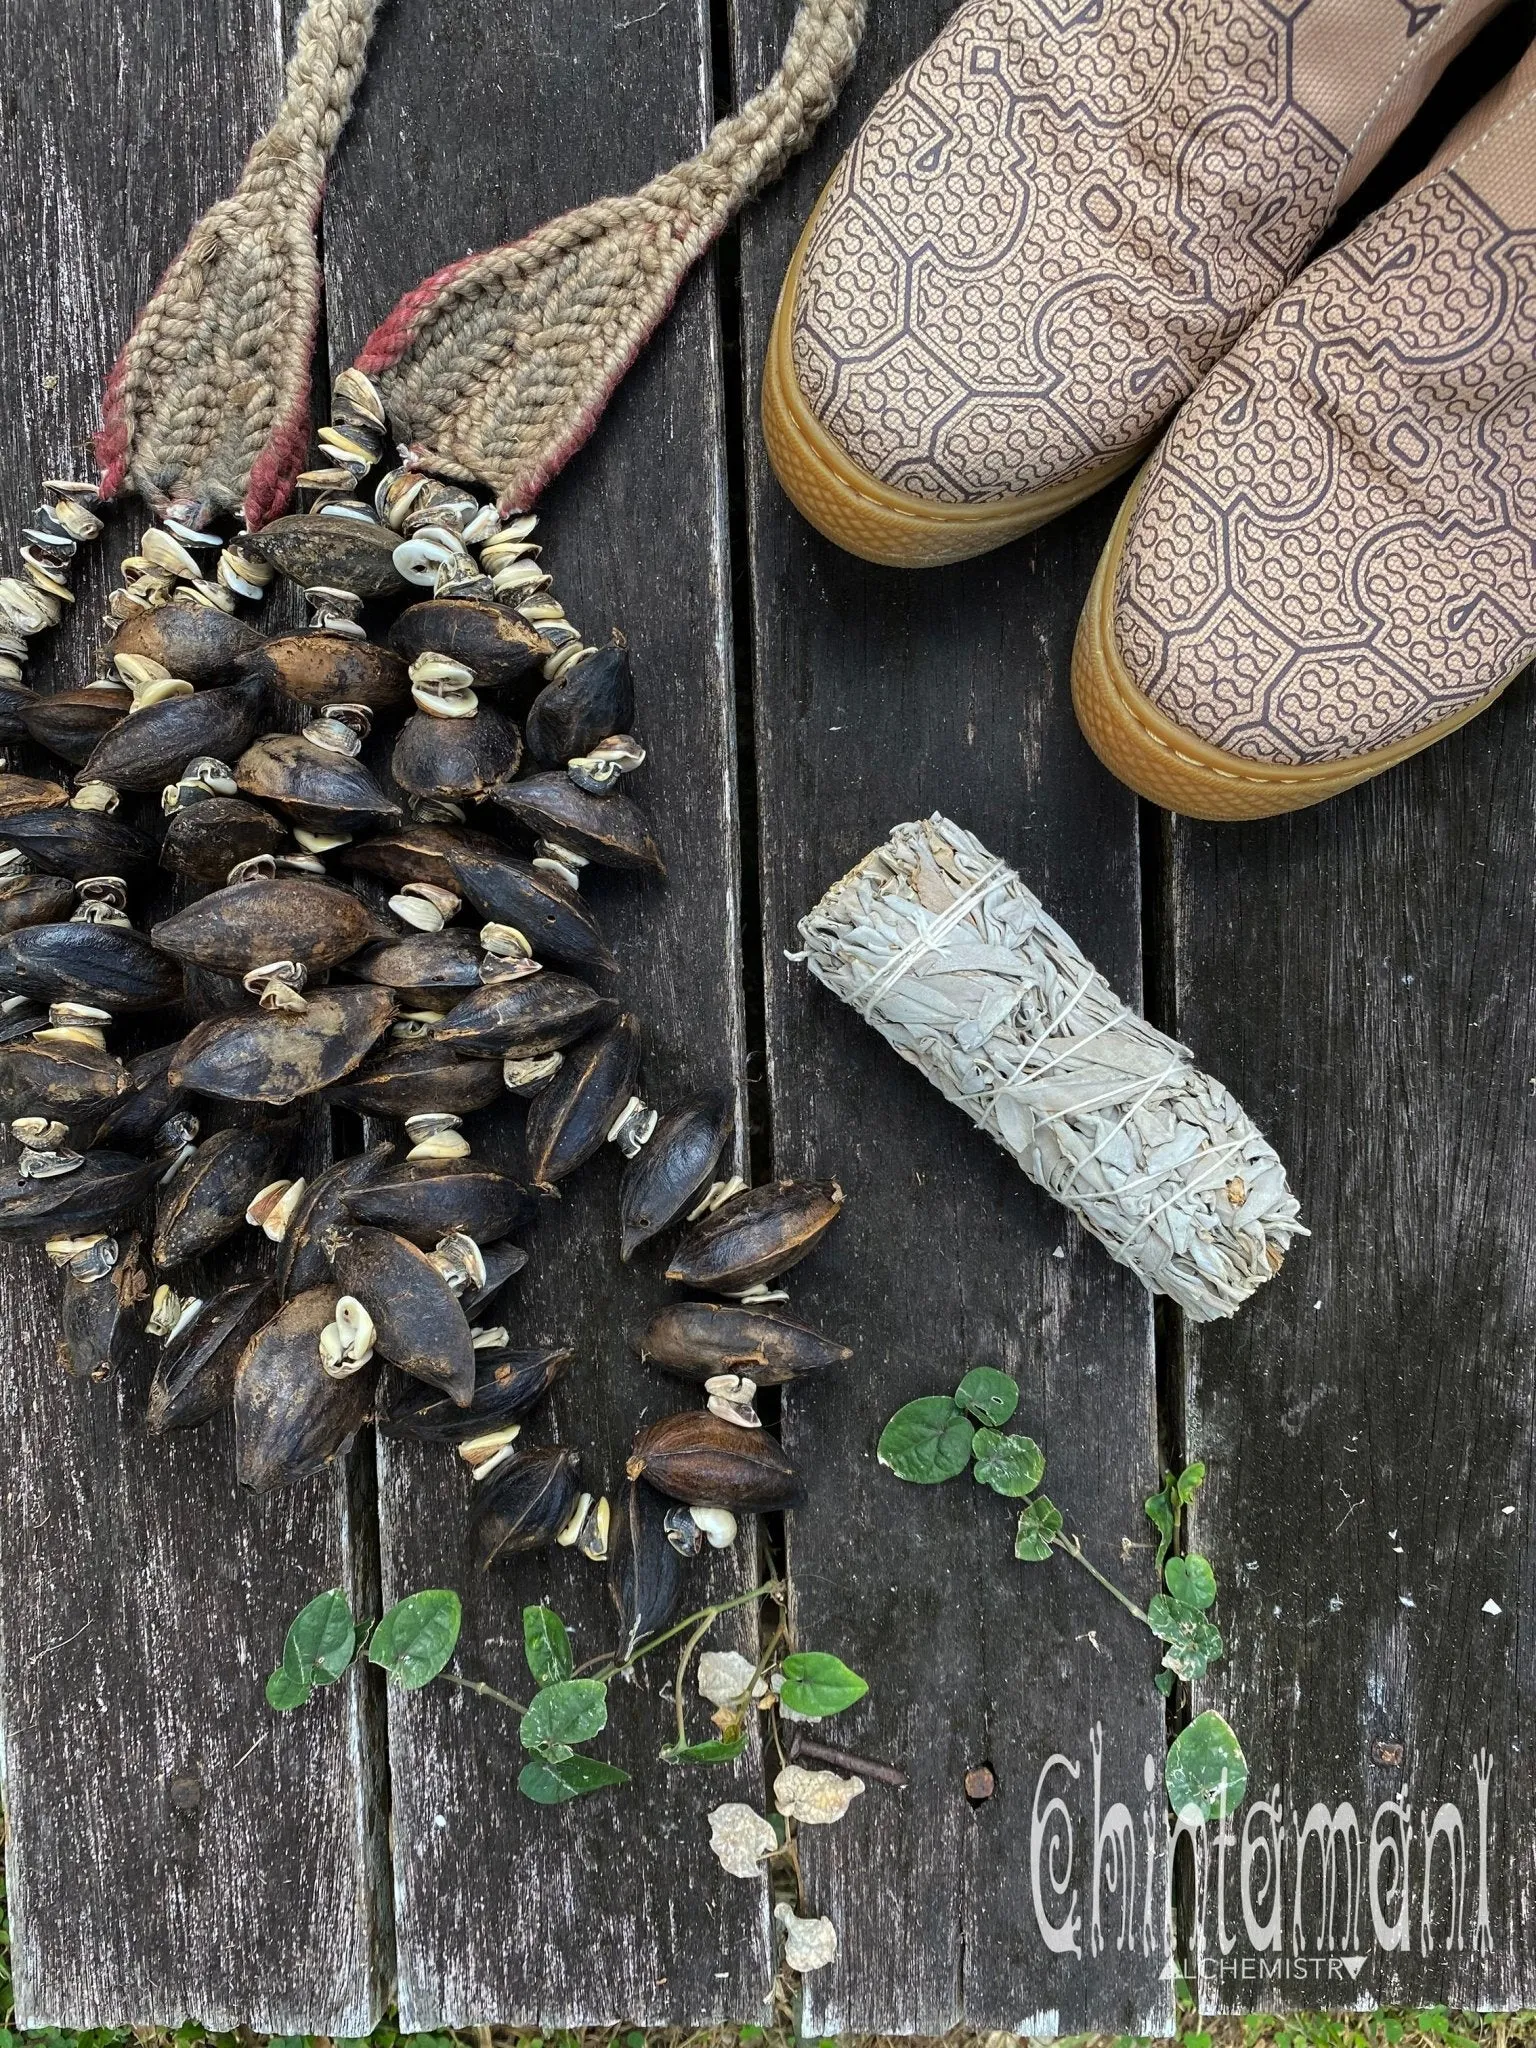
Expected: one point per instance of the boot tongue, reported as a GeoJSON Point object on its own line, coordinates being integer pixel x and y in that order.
{"type": "Point", "coordinates": [498, 368]}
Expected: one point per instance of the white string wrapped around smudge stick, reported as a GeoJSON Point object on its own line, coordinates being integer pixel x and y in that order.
{"type": "Point", "coordinates": [942, 948]}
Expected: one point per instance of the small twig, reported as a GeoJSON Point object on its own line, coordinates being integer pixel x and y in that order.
{"type": "Point", "coordinates": [679, 1695]}
{"type": "Point", "coordinates": [865, 1767]}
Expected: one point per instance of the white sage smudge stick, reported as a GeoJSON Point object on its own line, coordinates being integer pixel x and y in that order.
{"type": "Point", "coordinates": [944, 950]}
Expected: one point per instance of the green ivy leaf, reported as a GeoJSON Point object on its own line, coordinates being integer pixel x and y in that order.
{"type": "Point", "coordinates": [719, 1751]}
{"type": "Point", "coordinates": [287, 1690]}
{"type": "Point", "coordinates": [988, 1395]}
{"type": "Point", "coordinates": [321, 1639]}
{"type": "Point", "coordinates": [1039, 1522]}
{"type": "Point", "coordinates": [927, 1442]}
{"type": "Point", "coordinates": [546, 1645]}
{"type": "Point", "coordinates": [1191, 1580]}
{"type": "Point", "coordinates": [1163, 1680]}
{"type": "Point", "coordinates": [1190, 1481]}
{"type": "Point", "coordinates": [572, 1710]}
{"type": "Point", "coordinates": [550, 1784]}
{"type": "Point", "coordinates": [415, 1639]}
{"type": "Point", "coordinates": [1011, 1465]}
{"type": "Point", "coordinates": [1194, 1643]}
{"type": "Point", "coordinates": [816, 1684]}
{"type": "Point", "coordinates": [1202, 1756]}
{"type": "Point", "coordinates": [1160, 1513]}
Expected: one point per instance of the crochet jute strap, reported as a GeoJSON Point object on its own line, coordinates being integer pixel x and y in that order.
{"type": "Point", "coordinates": [497, 368]}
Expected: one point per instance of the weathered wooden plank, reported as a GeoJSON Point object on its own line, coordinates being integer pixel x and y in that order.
{"type": "Point", "coordinates": [476, 125]}
{"type": "Point", "coordinates": [883, 696]}
{"type": "Point", "coordinates": [173, 1852]}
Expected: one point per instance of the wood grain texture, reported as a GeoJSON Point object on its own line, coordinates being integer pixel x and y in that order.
{"type": "Point", "coordinates": [883, 696]}
{"type": "Point", "coordinates": [174, 1852]}
{"type": "Point", "coordinates": [476, 125]}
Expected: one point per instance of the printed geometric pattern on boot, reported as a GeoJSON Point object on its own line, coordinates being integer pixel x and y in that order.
{"type": "Point", "coordinates": [1047, 232]}
{"type": "Point", "coordinates": [1330, 562]}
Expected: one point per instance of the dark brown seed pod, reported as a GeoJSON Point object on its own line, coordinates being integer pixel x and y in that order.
{"type": "Point", "coordinates": [252, 923]}
{"type": "Point", "coordinates": [417, 1319]}
{"type": "Point", "coordinates": [504, 1260]}
{"type": "Point", "coordinates": [106, 964]}
{"type": "Point", "coordinates": [14, 699]}
{"type": "Point", "coordinates": [422, 967]}
{"type": "Point", "coordinates": [63, 1078]}
{"type": "Point", "coordinates": [551, 916]}
{"type": "Point", "coordinates": [205, 1199]}
{"type": "Point", "coordinates": [541, 1013]}
{"type": "Point", "coordinates": [412, 852]}
{"type": "Point", "coordinates": [610, 831]}
{"type": "Point", "coordinates": [101, 1193]}
{"type": "Point", "coordinates": [302, 1259]}
{"type": "Point", "coordinates": [191, 641]}
{"type": "Point", "coordinates": [698, 1339]}
{"type": "Point", "coordinates": [141, 1105]}
{"type": "Point", "coordinates": [195, 1372]}
{"type": "Point", "coordinates": [70, 722]}
{"type": "Point", "coordinates": [570, 1118]}
{"type": "Point", "coordinates": [319, 790]}
{"type": "Point", "coordinates": [707, 1462]}
{"type": "Point", "coordinates": [459, 759]}
{"type": "Point", "coordinates": [20, 794]}
{"type": "Point", "coordinates": [426, 1201]}
{"type": "Point", "coordinates": [756, 1236]}
{"type": "Point", "coordinates": [420, 1080]}
{"type": "Point", "coordinates": [277, 1056]}
{"type": "Point", "coordinates": [291, 1417]}
{"type": "Point", "coordinates": [645, 1573]}
{"type": "Point", "coordinates": [338, 554]}
{"type": "Point", "coordinates": [492, 642]}
{"type": "Point", "coordinates": [590, 702]}
{"type": "Point", "coordinates": [151, 748]}
{"type": "Point", "coordinates": [33, 899]}
{"type": "Point", "coordinates": [205, 840]}
{"type": "Point", "coordinates": [523, 1505]}
{"type": "Point", "coordinates": [100, 1319]}
{"type": "Point", "coordinates": [330, 668]}
{"type": "Point", "coordinates": [78, 843]}
{"type": "Point", "coordinates": [507, 1388]}
{"type": "Point", "coordinates": [660, 1182]}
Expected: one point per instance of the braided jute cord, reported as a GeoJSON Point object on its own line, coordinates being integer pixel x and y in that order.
{"type": "Point", "coordinates": [496, 369]}
{"type": "Point", "coordinates": [209, 401]}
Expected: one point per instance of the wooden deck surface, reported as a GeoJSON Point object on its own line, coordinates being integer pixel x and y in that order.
{"type": "Point", "coordinates": [1361, 976]}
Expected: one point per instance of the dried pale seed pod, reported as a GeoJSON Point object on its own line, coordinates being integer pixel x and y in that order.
{"type": "Point", "coordinates": [106, 964]}
{"type": "Point", "coordinates": [195, 1372]}
{"type": "Point", "coordinates": [321, 791]}
{"type": "Point", "coordinates": [333, 554]}
{"type": "Point", "coordinates": [556, 923]}
{"type": "Point", "coordinates": [697, 1339]}
{"type": "Point", "coordinates": [291, 1417]}
{"type": "Point", "coordinates": [661, 1181]}
{"type": "Point", "coordinates": [78, 843]}
{"type": "Point", "coordinates": [102, 1312]}
{"type": "Point", "coordinates": [459, 759]}
{"type": "Point", "coordinates": [508, 1387]}
{"type": "Point", "coordinates": [755, 1236]}
{"type": "Point", "coordinates": [203, 841]}
{"type": "Point", "coordinates": [492, 642]}
{"type": "Point", "coordinates": [70, 722]}
{"type": "Point", "coordinates": [22, 793]}
{"type": "Point", "coordinates": [538, 1014]}
{"type": "Point", "coordinates": [610, 831]}
{"type": "Point", "coordinates": [103, 1191]}
{"type": "Point", "coordinates": [425, 1202]}
{"type": "Point", "coordinates": [524, 1505]}
{"type": "Point", "coordinates": [188, 640]}
{"type": "Point", "coordinates": [411, 1079]}
{"type": "Point", "coordinates": [700, 1459]}
{"type": "Point", "coordinates": [27, 899]}
{"type": "Point", "coordinates": [645, 1569]}
{"type": "Point", "coordinates": [247, 924]}
{"type": "Point", "coordinates": [302, 1260]}
{"type": "Point", "coordinates": [277, 1056]}
{"type": "Point", "coordinates": [332, 668]}
{"type": "Point", "coordinates": [572, 1115]}
{"type": "Point", "coordinates": [591, 700]}
{"type": "Point", "coordinates": [204, 1200]}
{"type": "Point", "coordinates": [419, 1324]}
{"type": "Point", "coordinates": [150, 748]}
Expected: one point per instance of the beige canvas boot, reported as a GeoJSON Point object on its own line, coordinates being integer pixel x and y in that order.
{"type": "Point", "coordinates": [1049, 230]}
{"type": "Point", "coordinates": [1330, 562]}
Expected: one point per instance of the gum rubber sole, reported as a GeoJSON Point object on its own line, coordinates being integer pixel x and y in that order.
{"type": "Point", "coordinates": [1170, 767]}
{"type": "Point", "coordinates": [869, 518]}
